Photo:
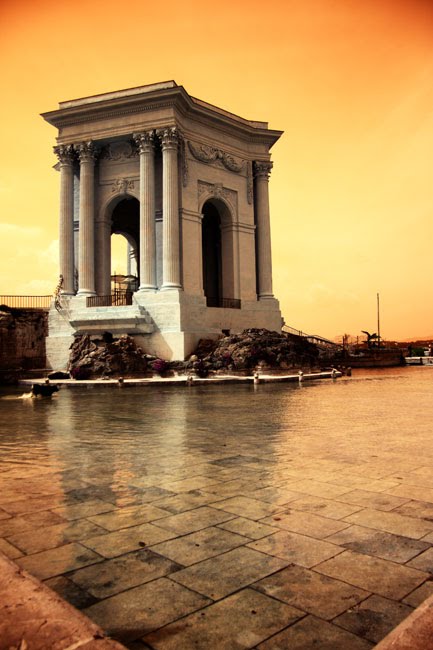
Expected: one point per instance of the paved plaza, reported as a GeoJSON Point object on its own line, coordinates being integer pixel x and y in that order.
{"type": "Point", "coordinates": [243, 544]}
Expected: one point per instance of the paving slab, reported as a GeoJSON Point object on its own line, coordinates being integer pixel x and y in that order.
{"type": "Point", "coordinates": [295, 548]}
{"type": "Point", "coordinates": [54, 536]}
{"type": "Point", "coordinates": [378, 543]}
{"type": "Point", "coordinates": [222, 575]}
{"type": "Point", "coordinates": [323, 507]}
{"type": "Point", "coordinates": [248, 528]}
{"type": "Point", "coordinates": [136, 612]}
{"type": "Point", "coordinates": [374, 618]}
{"type": "Point", "coordinates": [424, 561]}
{"type": "Point", "coordinates": [199, 546]}
{"type": "Point", "coordinates": [239, 621]}
{"type": "Point", "coordinates": [56, 561]}
{"type": "Point", "coordinates": [126, 540]}
{"type": "Point", "coordinates": [391, 522]}
{"type": "Point", "coordinates": [127, 516]}
{"type": "Point", "coordinates": [311, 592]}
{"type": "Point", "coordinates": [312, 632]}
{"type": "Point", "coordinates": [192, 520]}
{"type": "Point", "coordinates": [306, 523]}
{"type": "Point", "coordinates": [371, 499]}
{"type": "Point", "coordinates": [124, 572]}
{"type": "Point", "coordinates": [246, 507]}
{"type": "Point", "coordinates": [373, 574]}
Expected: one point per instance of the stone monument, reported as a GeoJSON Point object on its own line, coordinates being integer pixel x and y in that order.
{"type": "Point", "coordinates": [186, 183]}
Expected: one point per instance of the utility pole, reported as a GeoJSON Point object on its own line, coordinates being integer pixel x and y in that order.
{"type": "Point", "coordinates": [378, 322]}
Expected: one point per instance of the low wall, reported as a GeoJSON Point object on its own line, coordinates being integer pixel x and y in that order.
{"type": "Point", "coordinates": [22, 338]}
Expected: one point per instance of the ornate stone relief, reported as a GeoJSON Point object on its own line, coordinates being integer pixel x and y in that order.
{"type": "Point", "coordinates": [207, 154]}
{"type": "Point", "coordinates": [117, 151]}
{"type": "Point", "coordinates": [184, 163]}
{"type": "Point", "coordinates": [122, 185]}
{"type": "Point", "coordinates": [217, 191]}
{"type": "Point", "coordinates": [250, 183]}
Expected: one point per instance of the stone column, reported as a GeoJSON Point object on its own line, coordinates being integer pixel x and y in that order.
{"type": "Point", "coordinates": [65, 154]}
{"type": "Point", "coordinates": [86, 236]}
{"type": "Point", "coordinates": [262, 170]}
{"type": "Point", "coordinates": [170, 209]}
{"type": "Point", "coordinates": [147, 262]}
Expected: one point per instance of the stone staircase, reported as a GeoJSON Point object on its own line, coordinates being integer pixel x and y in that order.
{"type": "Point", "coordinates": [65, 321]}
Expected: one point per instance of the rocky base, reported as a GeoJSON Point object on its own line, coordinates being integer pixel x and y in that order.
{"type": "Point", "coordinates": [93, 357]}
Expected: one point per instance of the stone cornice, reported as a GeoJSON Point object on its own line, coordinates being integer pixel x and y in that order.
{"type": "Point", "coordinates": [117, 105]}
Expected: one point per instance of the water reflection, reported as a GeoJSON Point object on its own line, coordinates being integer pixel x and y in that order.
{"type": "Point", "coordinates": [114, 444]}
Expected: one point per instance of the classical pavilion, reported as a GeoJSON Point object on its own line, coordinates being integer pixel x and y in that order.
{"type": "Point", "coordinates": [186, 183]}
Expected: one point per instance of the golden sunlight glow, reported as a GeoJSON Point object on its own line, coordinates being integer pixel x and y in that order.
{"type": "Point", "coordinates": [349, 82]}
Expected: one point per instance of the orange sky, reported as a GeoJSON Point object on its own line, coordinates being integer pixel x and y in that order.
{"type": "Point", "coordinates": [349, 82]}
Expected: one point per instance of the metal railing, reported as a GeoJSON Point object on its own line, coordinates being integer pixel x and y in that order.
{"type": "Point", "coordinates": [26, 302]}
{"type": "Point", "coordinates": [225, 303]}
{"type": "Point", "coordinates": [312, 338]}
{"type": "Point", "coordinates": [117, 299]}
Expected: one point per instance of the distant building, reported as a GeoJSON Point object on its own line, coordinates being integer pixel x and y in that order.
{"type": "Point", "coordinates": [186, 183]}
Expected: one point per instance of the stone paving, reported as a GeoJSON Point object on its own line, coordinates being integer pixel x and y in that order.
{"type": "Point", "coordinates": [231, 549]}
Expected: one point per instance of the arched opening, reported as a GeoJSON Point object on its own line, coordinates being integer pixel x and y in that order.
{"type": "Point", "coordinates": [219, 255]}
{"type": "Point", "coordinates": [125, 239]}
{"type": "Point", "coordinates": [211, 255]}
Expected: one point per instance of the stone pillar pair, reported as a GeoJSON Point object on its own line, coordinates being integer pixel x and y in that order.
{"type": "Point", "coordinates": [262, 170]}
{"type": "Point", "coordinates": [170, 209]}
{"type": "Point", "coordinates": [86, 261]}
{"type": "Point", "coordinates": [171, 232]}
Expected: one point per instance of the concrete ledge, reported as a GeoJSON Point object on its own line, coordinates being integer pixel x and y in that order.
{"type": "Point", "coordinates": [33, 617]}
{"type": "Point", "coordinates": [183, 379]}
{"type": "Point", "coordinates": [414, 633]}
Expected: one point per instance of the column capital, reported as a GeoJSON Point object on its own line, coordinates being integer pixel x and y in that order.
{"type": "Point", "coordinates": [169, 137]}
{"type": "Point", "coordinates": [145, 141]}
{"type": "Point", "coordinates": [262, 169]}
{"type": "Point", "coordinates": [86, 151]}
{"type": "Point", "coordinates": [65, 153]}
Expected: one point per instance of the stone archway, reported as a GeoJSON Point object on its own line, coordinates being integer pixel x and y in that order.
{"type": "Point", "coordinates": [217, 254]}
{"type": "Point", "coordinates": [125, 221]}
{"type": "Point", "coordinates": [211, 255]}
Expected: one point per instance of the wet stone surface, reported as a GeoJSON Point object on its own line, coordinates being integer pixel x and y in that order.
{"type": "Point", "coordinates": [226, 517]}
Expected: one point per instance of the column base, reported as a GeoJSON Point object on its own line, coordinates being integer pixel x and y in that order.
{"type": "Point", "coordinates": [266, 296]}
{"type": "Point", "coordinates": [146, 288]}
{"type": "Point", "coordinates": [170, 287]}
{"type": "Point", "coordinates": [84, 293]}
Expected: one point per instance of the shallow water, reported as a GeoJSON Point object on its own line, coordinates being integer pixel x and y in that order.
{"type": "Point", "coordinates": [95, 479]}
{"type": "Point", "coordinates": [138, 430]}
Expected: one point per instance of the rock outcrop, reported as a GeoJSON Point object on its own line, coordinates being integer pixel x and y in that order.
{"type": "Point", "coordinates": [90, 358]}
{"type": "Point", "coordinates": [253, 348]}
{"type": "Point", "coordinates": [256, 348]}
